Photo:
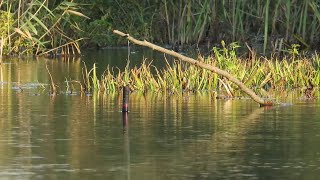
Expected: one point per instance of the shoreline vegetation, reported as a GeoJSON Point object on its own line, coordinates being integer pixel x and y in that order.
{"type": "Point", "coordinates": [284, 29]}
{"type": "Point", "coordinates": [268, 26]}
{"type": "Point", "coordinates": [35, 27]}
{"type": "Point", "coordinates": [265, 76]}
{"type": "Point", "coordinates": [63, 27]}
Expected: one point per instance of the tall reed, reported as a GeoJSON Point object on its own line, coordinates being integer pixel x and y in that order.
{"type": "Point", "coordinates": [36, 28]}
{"type": "Point", "coordinates": [260, 74]}
{"type": "Point", "coordinates": [257, 22]}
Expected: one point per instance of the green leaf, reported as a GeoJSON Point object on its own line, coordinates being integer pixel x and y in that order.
{"type": "Point", "coordinates": [38, 21]}
{"type": "Point", "coordinates": [31, 27]}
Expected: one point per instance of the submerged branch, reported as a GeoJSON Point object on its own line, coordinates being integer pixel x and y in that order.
{"type": "Point", "coordinates": [53, 85]}
{"type": "Point", "coordinates": [214, 69]}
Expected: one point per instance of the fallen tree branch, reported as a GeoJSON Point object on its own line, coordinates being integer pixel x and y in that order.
{"type": "Point", "coordinates": [214, 69]}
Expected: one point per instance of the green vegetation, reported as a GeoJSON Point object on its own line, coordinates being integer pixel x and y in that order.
{"type": "Point", "coordinates": [261, 74]}
{"type": "Point", "coordinates": [39, 27]}
{"type": "Point", "coordinates": [274, 25]}
{"type": "Point", "coordinates": [56, 27]}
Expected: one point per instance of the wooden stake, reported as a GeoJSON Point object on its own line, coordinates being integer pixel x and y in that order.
{"type": "Point", "coordinates": [214, 69]}
{"type": "Point", "coordinates": [125, 104]}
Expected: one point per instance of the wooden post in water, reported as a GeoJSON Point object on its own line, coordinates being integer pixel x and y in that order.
{"type": "Point", "coordinates": [125, 102]}
{"type": "Point", "coordinates": [214, 69]}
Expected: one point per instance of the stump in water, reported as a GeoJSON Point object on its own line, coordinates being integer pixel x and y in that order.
{"type": "Point", "coordinates": [125, 103]}
{"type": "Point", "coordinates": [214, 69]}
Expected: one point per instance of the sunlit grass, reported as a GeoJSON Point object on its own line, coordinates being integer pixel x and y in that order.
{"type": "Point", "coordinates": [259, 74]}
{"type": "Point", "coordinates": [34, 28]}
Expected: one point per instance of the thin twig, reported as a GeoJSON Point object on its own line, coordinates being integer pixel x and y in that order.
{"type": "Point", "coordinates": [53, 86]}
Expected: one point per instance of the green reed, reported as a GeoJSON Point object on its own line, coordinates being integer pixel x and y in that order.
{"type": "Point", "coordinates": [277, 23]}
{"type": "Point", "coordinates": [260, 74]}
{"type": "Point", "coordinates": [39, 28]}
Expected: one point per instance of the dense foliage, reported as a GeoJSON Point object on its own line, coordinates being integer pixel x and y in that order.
{"type": "Point", "coordinates": [264, 76]}
{"type": "Point", "coordinates": [42, 26]}
{"type": "Point", "coordinates": [274, 24]}
{"type": "Point", "coordinates": [39, 27]}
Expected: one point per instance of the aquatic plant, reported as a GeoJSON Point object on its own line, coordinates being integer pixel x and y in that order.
{"type": "Point", "coordinates": [38, 27]}
{"type": "Point", "coordinates": [261, 74]}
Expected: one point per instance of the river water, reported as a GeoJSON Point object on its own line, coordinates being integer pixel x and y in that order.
{"type": "Point", "coordinates": [191, 136]}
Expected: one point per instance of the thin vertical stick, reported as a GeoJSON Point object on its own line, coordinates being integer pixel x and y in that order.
{"type": "Point", "coordinates": [1, 48]}
{"type": "Point", "coordinates": [53, 86]}
{"type": "Point", "coordinates": [266, 26]}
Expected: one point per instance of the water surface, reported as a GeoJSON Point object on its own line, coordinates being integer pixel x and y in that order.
{"type": "Point", "coordinates": [190, 136]}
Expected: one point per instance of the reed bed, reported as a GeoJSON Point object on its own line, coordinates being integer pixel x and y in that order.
{"type": "Point", "coordinates": [271, 25]}
{"type": "Point", "coordinates": [260, 74]}
{"type": "Point", "coordinates": [39, 27]}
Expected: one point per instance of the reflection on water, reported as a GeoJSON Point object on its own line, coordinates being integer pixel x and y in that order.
{"type": "Point", "coordinates": [162, 137]}
{"type": "Point", "coordinates": [190, 136]}
{"type": "Point", "coordinates": [30, 73]}
{"type": "Point", "coordinates": [119, 58]}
